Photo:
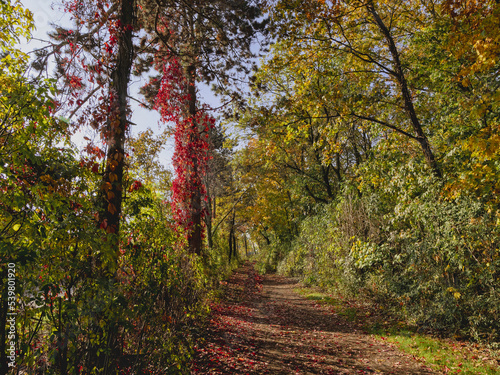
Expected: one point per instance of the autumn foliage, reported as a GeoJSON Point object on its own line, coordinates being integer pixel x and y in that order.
{"type": "Point", "coordinates": [365, 157]}
{"type": "Point", "coordinates": [373, 160]}
{"type": "Point", "coordinates": [191, 146]}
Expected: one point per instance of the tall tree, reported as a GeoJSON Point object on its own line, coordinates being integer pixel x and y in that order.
{"type": "Point", "coordinates": [197, 41]}
{"type": "Point", "coordinates": [372, 37]}
{"type": "Point", "coordinates": [94, 61]}
{"type": "Point", "coordinates": [15, 22]}
{"type": "Point", "coordinates": [118, 123]}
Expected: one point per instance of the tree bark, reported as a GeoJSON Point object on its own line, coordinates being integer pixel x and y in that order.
{"type": "Point", "coordinates": [235, 249]}
{"type": "Point", "coordinates": [112, 183]}
{"type": "Point", "coordinates": [111, 196]}
{"type": "Point", "coordinates": [208, 221]}
{"type": "Point", "coordinates": [195, 239]}
{"type": "Point", "coordinates": [230, 242]}
{"type": "Point", "coordinates": [232, 239]}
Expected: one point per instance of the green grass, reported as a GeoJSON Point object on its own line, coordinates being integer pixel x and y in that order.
{"type": "Point", "coordinates": [447, 356]}
{"type": "Point", "coordinates": [444, 355]}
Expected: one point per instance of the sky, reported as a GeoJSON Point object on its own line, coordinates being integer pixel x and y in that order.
{"type": "Point", "coordinates": [44, 15]}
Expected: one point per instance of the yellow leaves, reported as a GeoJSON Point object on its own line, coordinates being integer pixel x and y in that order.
{"type": "Point", "coordinates": [466, 82]}
{"type": "Point", "coordinates": [484, 147]}
{"type": "Point", "coordinates": [15, 22]}
{"type": "Point", "coordinates": [476, 34]}
{"type": "Point", "coordinates": [46, 179]}
{"type": "Point", "coordinates": [455, 293]}
{"type": "Point", "coordinates": [485, 50]}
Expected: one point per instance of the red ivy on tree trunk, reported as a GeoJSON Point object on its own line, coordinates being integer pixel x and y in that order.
{"type": "Point", "coordinates": [175, 102]}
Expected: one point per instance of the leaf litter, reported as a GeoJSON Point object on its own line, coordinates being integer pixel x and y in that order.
{"type": "Point", "coordinates": [263, 326]}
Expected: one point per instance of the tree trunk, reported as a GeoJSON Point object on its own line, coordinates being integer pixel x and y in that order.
{"type": "Point", "coordinates": [405, 92]}
{"type": "Point", "coordinates": [209, 216]}
{"type": "Point", "coordinates": [195, 239]}
{"type": "Point", "coordinates": [235, 249]}
{"type": "Point", "coordinates": [230, 242]}
{"type": "Point", "coordinates": [112, 183]}
{"type": "Point", "coordinates": [208, 221]}
{"type": "Point", "coordinates": [232, 239]}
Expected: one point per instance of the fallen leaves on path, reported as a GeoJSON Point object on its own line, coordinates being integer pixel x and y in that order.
{"type": "Point", "coordinates": [263, 327]}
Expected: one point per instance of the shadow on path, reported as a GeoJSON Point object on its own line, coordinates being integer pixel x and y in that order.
{"type": "Point", "coordinates": [264, 327]}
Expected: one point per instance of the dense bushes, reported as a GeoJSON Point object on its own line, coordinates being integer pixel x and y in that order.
{"type": "Point", "coordinates": [78, 311]}
{"type": "Point", "coordinates": [76, 319]}
{"type": "Point", "coordinates": [435, 257]}
{"type": "Point", "coordinates": [440, 260]}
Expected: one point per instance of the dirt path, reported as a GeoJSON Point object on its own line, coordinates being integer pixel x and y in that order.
{"type": "Point", "coordinates": [264, 327]}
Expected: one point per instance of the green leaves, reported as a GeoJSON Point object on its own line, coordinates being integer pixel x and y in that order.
{"type": "Point", "coordinates": [355, 105]}
{"type": "Point", "coordinates": [15, 22]}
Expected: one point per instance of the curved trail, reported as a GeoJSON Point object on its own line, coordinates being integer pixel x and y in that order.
{"type": "Point", "coordinates": [264, 327]}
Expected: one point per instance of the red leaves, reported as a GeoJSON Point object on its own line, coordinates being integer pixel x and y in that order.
{"type": "Point", "coordinates": [136, 185]}
{"type": "Point", "coordinates": [75, 206]}
{"type": "Point", "coordinates": [104, 224]}
{"type": "Point", "coordinates": [191, 148]}
{"type": "Point", "coordinates": [74, 81]}
{"type": "Point", "coordinates": [94, 151]}
{"type": "Point", "coordinates": [109, 48]}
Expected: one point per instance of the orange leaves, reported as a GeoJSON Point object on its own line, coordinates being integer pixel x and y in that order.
{"type": "Point", "coordinates": [60, 186]}
{"type": "Point", "coordinates": [111, 209]}
{"type": "Point", "coordinates": [475, 36]}
{"type": "Point", "coordinates": [113, 164]}
{"type": "Point", "coordinates": [118, 157]}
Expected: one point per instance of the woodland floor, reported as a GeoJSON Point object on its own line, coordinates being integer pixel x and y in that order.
{"type": "Point", "coordinates": [263, 326]}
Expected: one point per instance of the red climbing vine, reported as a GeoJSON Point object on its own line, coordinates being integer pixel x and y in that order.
{"type": "Point", "coordinates": [191, 146]}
